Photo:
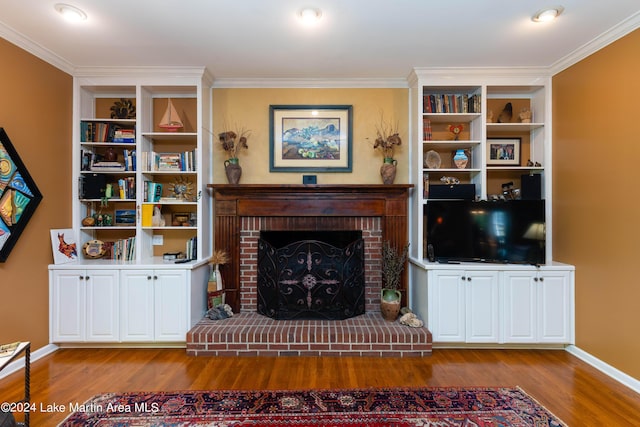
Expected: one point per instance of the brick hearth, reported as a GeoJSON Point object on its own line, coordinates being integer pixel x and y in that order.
{"type": "Point", "coordinates": [251, 334]}
{"type": "Point", "coordinates": [241, 211]}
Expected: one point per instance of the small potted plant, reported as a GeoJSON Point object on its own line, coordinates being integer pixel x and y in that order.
{"type": "Point", "coordinates": [393, 262]}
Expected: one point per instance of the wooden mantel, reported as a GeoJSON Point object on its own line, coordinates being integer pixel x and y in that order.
{"type": "Point", "coordinates": [232, 202]}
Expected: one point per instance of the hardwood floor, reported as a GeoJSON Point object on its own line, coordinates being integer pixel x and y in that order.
{"type": "Point", "coordinates": [574, 391]}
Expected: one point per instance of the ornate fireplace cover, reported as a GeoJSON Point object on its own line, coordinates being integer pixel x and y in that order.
{"type": "Point", "coordinates": [311, 278]}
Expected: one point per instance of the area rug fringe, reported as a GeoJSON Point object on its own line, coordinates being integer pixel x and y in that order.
{"type": "Point", "coordinates": [370, 407]}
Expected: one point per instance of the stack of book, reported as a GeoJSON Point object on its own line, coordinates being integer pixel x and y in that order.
{"type": "Point", "coordinates": [451, 103]}
{"type": "Point", "coordinates": [124, 249]}
{"type": "Point", "coordinates": [192, 248]}
{"type": "Point", "coordinates": [427, 132]}
{"type": "Point", "coordinates": [104, 166]}
{"type": "Point", "coordinates": [106, 132]}
{"type": "Point", "coordinates": [169, 162]}
{"type": "Point", "coordinates": [124, 135]}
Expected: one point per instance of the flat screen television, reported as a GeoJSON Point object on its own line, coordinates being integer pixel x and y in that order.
{"type": "Point", "coordinates": [485, 231]}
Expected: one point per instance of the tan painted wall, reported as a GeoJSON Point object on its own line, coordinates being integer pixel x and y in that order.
{"type": "Point", "coordinates": [596, 148]}
{"type": "Point", "coordinates": [249, 109]}
{"type": "Point", "coordinates": [35, 111]}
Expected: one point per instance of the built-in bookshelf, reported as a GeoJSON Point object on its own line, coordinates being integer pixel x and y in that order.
{"type": "Point", "coordinates": [125, 152]}
{"type": "Point", "coordinates": [129, 214]}
{"type": "Point", "coordinates": [452, 117]}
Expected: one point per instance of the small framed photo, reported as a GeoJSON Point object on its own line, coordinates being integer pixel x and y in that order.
{"type": "Point", "coordinates": [310, 138]}
{"type": "Point", "coordinates": [503, 151]}
{"type": "Point", "coordinates": [125, 217]}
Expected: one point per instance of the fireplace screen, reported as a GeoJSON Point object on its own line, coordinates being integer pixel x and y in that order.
{"type": "Point", "coordinates": [311, 274]}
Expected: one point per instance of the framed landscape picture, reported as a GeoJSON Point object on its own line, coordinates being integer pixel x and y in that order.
{"type": "Point", "coordinates": [310, 138]}
{"type": "Point", "coordinates": [503, 151]}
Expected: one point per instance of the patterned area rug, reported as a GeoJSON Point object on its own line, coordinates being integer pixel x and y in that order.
{"type": "Point", "coordinates": [398, 407]}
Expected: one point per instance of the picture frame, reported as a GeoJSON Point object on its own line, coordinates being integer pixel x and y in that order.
{"type": "Point", "coordinates": [503, 151]}
{"type": "Point", "coordinates": [125, 217]}
{"type": "Point", "coordinates": [64, 245]}
{"type": "Point", "coordinates": [310, 138]}
{"type": "Point", "coordinates": [19, 196]}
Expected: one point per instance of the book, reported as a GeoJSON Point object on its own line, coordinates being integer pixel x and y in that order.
{"type": "Point", "coordinates": [169, 162]}
{"type": "Point", "coordinates": [8, 349]}
{"type": "Point", "coordinates": [147, 215]}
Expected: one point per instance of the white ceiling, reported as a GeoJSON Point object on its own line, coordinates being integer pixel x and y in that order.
{"type": "Point", "coordinates": [355, 39]}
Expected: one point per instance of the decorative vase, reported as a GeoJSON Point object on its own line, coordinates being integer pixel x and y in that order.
{"type": "Point", "coordinates": [460, 159]}
{"type": "Point", "coordinates": [233, 170]}
{"type": "Point", "coordinates": [390, 300]}
{"type": "Point", "coordinates": [388, 170]}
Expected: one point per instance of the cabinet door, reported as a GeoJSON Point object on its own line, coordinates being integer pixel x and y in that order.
{"type": "Point", "coordinates": [136, 305]}
{"type": "Point", "coordinates": [102, 305]}
{"type": "Point", "coordinates": [446, 306]}
{"type": "Point", "coordinates": [519, 306]}
{"type": "Point", "coordinates": [555, 307]}
{"type": "Point", "coordinates": [170, 305]}
{"type": "Point", "coordinates": [67, 310]}
{"type": "Point", "coordinates": [482, 306]}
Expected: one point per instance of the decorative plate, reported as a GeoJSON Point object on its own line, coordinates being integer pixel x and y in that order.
{"type": "Point", "coordinates": [94, 249]}
{"type": "Point", "coordinates": [432, 159]}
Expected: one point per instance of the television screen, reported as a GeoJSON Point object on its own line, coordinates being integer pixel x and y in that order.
{"type": "Point", "coordinates": [484, 231]}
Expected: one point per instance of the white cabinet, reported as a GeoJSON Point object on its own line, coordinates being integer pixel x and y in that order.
{"type": "Point", "coordinates": [154, 305]}
{"type": "Point", "coordinates": [137, 306]}
{"type": "Point", "coordinates": [491, 303]}
{"type": "Point", "coordinates": [481, 299]}
{"type": "Point", "coordinates": [446, 306]}
{"type": "Point", "coordinates": [464, 305]}
{"type": "Point", "coordinates": [84, 306]}
{"type": "Point", "coordinates": [133, 304]}
{"type": "Point", "coordinates": [538, 306]}
{"type": "Point", "coordinates": [555, 307]}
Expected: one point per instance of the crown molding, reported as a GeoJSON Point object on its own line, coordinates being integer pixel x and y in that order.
{"type": "Point", "coordinates": [471, 75]}
{"type": "Point", "coordinates": [630, 24]}
{"type": "Point", "coordinates": [310, 83]}
{"type": "Point", "coordinates": [25, 43]}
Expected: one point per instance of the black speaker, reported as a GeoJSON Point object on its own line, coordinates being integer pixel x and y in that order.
{"type": "Point", "coordinates": [458, 191]}
{"type": "Point", "coordinates": [531, 187]}
{"type": "Point", "coordinates": [93, 186]}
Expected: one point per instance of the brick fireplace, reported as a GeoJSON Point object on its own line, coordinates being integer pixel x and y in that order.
{"type": "Point", "coordinates": [242, 211]}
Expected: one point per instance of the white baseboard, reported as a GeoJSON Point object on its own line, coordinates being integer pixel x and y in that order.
{"type": "Point", "coordinates": [609, 370]}
{"type": "Point", "coordinates": [18, 364]}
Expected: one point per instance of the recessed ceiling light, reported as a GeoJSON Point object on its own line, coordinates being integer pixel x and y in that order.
{"type": "Point", "coordinates": [70, 13]}
{"type": "Point", "coordinates": [310, 15]}
{"type": "Point", "coordinates": [546, 15]}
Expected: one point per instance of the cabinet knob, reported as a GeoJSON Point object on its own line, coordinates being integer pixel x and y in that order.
{"type": "Point", "coordinates": [468, 279]}
{"type": "Point", "coordinates": [464, 278]}
{"type": "Point", "coordinates": [542, 279]}
{"type": "Point", "coordinates": [148, 277]}
{"type": "Point", "coordinates": [155, 277]}
{"type": "Point", "coordinates": [81, 277]}
{"type": "Point", "coordinates": [86, 277]}
{"type": "Point", "coordinates": [535, 279]}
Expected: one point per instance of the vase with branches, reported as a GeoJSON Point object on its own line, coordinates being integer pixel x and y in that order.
{"type": "Point", "coordinates": [233, 142]}
{"type": "Point", "coordinates": [387, 140]}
